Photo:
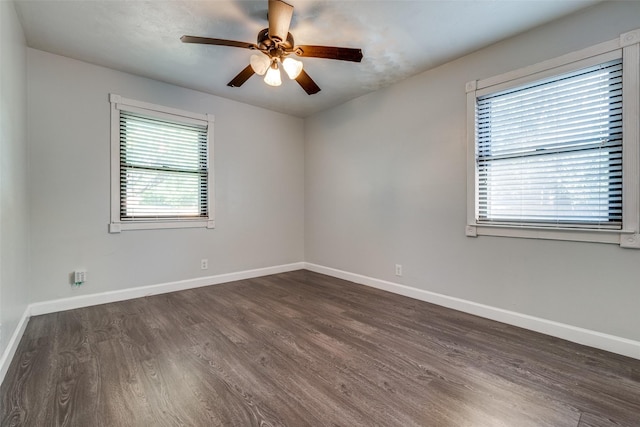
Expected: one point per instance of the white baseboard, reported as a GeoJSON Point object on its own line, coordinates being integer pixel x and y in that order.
{"type": "Point", "coordinates": [612, 343]}
{"type": "Point", "coordinates": [575, 334]}
{"type": "Point", "coordinates": [63, 304]}
{"type": "Point", "coordinates": [144, 291]}
{"type": "Point", "coordinates": [12, 346]}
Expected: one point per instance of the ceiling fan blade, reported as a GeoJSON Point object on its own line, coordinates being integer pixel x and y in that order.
{"type": "Point", "coordinates": [242, 77]}
{"type": "Point", "coordinates": [330, 52]}
{"type": "Point", "coordinates": [307, 83]}
{"type": "Point", "coordinates": [217, 42]}
{"type": "Point", "coordinates": [280, 14]}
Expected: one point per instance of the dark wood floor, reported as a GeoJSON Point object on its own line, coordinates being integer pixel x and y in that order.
{"type": "Point", "coordinates": [303, 349]}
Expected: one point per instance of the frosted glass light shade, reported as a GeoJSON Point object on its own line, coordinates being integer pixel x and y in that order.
{"type": "Point", "coordinates": [292, 67]}
{"type": "Point", "coordinates": [259, 63]}
{"type": "Point", "coordinates": [272, 78]}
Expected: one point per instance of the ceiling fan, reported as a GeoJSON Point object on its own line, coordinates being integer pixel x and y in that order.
{"type": "Point", "coordinates": [275, 45]}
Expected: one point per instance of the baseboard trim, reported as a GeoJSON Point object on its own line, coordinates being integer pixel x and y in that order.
{"type": "Point", "coordinates": [612, 343]}
{"type": "Point", "coordinates": [12, 346]}
{"type": "Point", "coordinates": [63, 304]}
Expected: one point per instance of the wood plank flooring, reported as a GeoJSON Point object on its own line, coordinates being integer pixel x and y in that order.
{"type": "Point", "coordinates": [304, 349]}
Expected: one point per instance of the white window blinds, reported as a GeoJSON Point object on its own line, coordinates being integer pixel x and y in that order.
{"type": "Point", "coordinates": [163, 169]}
{"type": "Point", "coordinates": [550, 153]}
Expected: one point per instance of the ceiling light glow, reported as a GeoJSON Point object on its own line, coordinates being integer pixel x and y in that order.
{"type": "Point", "coordinates": [272, 78]}
{"type": "Point", "coordinates": [292, 67]}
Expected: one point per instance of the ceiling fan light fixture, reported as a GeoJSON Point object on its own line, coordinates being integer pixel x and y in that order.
{"type": "Point", "coordinates": [273, 46]}
{"type": "Point", "coordinates": [272, 77]}
{"type": "Point", "coordinates": [259, 63]}
{"type": "Point", "coordinates": [292, 67]}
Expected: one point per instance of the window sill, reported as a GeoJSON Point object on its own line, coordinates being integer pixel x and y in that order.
{"type": "Point", "coordinates": [117, 227]}
{"type": "Point", "coordinates": [624, 238]}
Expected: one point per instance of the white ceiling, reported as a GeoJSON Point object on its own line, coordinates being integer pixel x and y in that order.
{"type": "Point", "coordinates": [398, 39]}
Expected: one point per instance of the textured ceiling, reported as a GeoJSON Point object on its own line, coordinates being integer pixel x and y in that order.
{"type": "Point", "coordinates": [398, 39]}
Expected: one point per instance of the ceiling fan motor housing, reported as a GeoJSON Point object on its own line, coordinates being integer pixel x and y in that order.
{"type": "Point", "coordinates": [273, 46]}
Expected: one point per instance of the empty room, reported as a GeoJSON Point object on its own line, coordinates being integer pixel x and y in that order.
{"type": "Point", "coordinates": [320, 213]}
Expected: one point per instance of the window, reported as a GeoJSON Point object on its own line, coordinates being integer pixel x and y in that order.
{"type": "Point", "coordinates": [551, 152]}
{"type": "Point", "coordinates": [160, 167]}
{"type": "Point", "coordinates": [553, 149]}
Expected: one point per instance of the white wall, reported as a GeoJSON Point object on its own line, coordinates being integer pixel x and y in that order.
{"type": "Point", "coordinates": [258, 161]}
{"type": "Point", "coordinates": [13, 174]}
{"type": "Point", "coordinates": [385, 180]}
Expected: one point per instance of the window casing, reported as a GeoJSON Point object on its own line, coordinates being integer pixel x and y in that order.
{"type": "Point", "coordinates": [553, 148]}
{"type": "Point", "coordinates": [160, 169]}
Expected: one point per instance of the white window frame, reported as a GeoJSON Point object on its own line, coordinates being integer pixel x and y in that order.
{"type": "Point", "coordinates": [628, 47]}
{"type": "Point", "coordinates": [119, 103]}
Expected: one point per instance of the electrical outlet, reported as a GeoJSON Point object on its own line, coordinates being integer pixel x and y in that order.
{"type": "Point", "coordinates": [79, 277]}
{"type": "Point", "coordinates": [398, 270]}
{"type": "Point", "coordinates": [204, 264]}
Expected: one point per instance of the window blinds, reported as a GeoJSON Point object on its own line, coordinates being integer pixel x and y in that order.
{"type": "Point", "coordinates": [163, 168]}
{"type": "Point", "coordinates": [550, 153]}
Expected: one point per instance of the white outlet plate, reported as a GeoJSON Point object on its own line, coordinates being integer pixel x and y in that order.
{"type": "Point", "coordinates": [79, 277]}
{"type": "Point", "coordinates": [204, 264]}
{"type": "Point", "coordinates": [398, 270]}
